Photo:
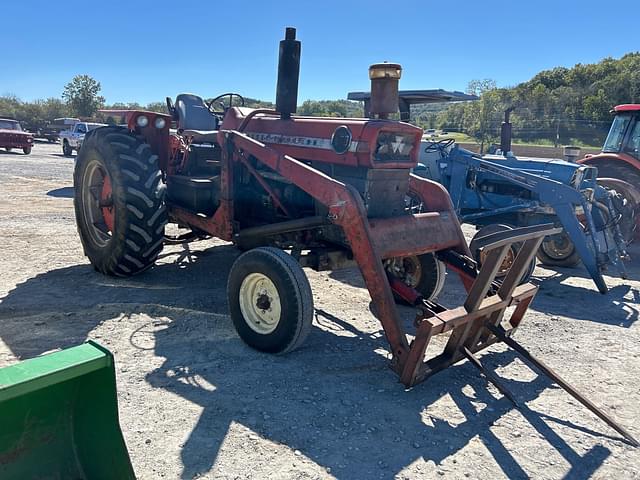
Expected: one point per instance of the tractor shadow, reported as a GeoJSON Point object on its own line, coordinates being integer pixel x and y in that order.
{"type": "Point", "coordinates": [337, 403]}
{"type": "Point", "coordinates": [63, 192]}
{"type": "Point", "coordinates": [335, 400]}
{"type": "Point", "coordinates": [619, 307]}
{"type": "Point", "coordinates": [58, 308]}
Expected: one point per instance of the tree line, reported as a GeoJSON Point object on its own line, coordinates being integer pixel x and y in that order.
{"type": "Point", "coordinates": [561, 105]}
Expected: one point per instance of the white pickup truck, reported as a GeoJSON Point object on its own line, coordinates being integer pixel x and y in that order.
{"type": "Point", "coordinates": [72, 139]}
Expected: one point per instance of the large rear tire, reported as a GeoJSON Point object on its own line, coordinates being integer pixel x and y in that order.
{"type": "Point", "coordinates": [625, 201]}
{"type": "Point", "coordinates": [270, 300]}
{"type": "Point", "coordinates": [119, 202]}
{"type": "Point", "coordinates": [630, 175]}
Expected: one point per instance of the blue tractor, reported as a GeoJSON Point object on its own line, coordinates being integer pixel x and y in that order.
{"type": "Point", "coordinates": [501, 191]}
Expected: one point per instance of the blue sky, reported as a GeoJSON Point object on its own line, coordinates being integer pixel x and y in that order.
{"type": "Point", "coordinates": [145, 50]}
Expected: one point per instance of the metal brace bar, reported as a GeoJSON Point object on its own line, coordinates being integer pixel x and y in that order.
{"type": "Point", "coordinates": [489, 376]}
{"type": "Point", "coordinates": [501, 334]}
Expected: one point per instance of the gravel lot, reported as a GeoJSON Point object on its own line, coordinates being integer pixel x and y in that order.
{"type": "Point", "coordinates": [195, 402]}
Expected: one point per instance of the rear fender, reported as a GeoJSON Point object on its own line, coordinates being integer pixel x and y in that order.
{"type": "Point", "coordinates": [157, 138]}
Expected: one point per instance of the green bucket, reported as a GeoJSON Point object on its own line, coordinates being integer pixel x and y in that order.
{"type": "Point", "coordinates": [59, 418]}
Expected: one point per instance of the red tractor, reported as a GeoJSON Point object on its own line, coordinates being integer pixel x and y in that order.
{"type": "Point", "coordinates": [619, 162]}
{"type": "Point", "coordinates": [332, 192]}
{"type": "Point", "coordinates": [296, 192]}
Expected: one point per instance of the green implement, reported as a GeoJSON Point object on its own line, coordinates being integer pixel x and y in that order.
{"type": "Point", "coordinates": [59, 418]}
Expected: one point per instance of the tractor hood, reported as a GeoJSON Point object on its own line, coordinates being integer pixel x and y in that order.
{"type": "Point", "coordinates": [356, 142]}
{"type": "Point", "coordinates": [560, 170]}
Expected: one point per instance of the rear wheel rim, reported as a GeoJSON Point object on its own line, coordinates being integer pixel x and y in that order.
{"type": "Point", "coordinates": [97, 198]}
{"type": "Point", "coordinates": [260, 303]}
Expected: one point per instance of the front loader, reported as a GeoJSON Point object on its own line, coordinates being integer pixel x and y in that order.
{"type": "Point", "coordinates": [294, 192]}
{"type": "Point", "coordinates": [59, 418]}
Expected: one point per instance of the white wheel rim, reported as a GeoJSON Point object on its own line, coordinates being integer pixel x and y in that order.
{"type": "Point", "coordinates": [260, 303]}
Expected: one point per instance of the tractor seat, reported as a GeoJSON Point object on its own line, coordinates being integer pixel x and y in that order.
{"type": "Point", "coordinates": [195, 119]}
{"type": "Point", "coordinates": [201, 136]}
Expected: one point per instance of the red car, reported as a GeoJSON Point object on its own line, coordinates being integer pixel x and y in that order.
{"type": "Point", "coordinates": [12, 136]}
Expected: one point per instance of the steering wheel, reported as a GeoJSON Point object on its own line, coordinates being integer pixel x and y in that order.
{"type": "Point", "coordinates": [218, 101]}
{"type": "Point", "coordinates": [440, 145]}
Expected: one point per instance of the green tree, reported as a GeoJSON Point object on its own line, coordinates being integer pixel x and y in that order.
{"type": "Point", "coordinates": [480, 115]}
{"type": "Point", "coordinates": [82, 95]}
{"type": "Point", "coordinates": [158, 107]}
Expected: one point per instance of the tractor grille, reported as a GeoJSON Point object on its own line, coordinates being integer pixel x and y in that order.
{"type": "Point", "coordinates": [383, 190]}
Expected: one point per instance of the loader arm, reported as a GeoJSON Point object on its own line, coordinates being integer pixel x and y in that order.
{"type": "Point", "coordinates": [563, 199]}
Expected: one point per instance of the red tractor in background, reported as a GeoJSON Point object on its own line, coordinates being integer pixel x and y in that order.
{"type": "Point", "coordinates": [294, 192]}
{"type": "Point", "coordinates": [619, 162]}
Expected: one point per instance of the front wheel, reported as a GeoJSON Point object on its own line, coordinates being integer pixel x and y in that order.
{"type": "Point", "coordinates": [119, 202]}
{"type": "Point", "coordinates": [66, 149]}
{"type": "Point", "coordinates": [480, 256]}
{"type": "Point", "coordinates": [558, 251]}
{"type": "Point", "coordinates": [26, 150]}
{"type": "Point", "coordinates": [424, 273]}
{"type": "Point", "coordinates": [270, 300]}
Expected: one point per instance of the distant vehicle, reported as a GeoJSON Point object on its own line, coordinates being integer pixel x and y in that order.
{"type": "Point", "coordinates": [430, 131]}
{"type": "Point", "coordinates": [12, 136]}
{"type": "Point", "coordinates": [51, 130]}
{"type": "Point", "coordinates": [72, 139]}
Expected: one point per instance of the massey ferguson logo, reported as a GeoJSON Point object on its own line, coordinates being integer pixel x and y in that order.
{"type": "Point", "coordinates": [398, 145]}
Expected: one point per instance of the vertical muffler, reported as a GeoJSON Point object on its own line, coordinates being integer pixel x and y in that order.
{"type": "Point", "coordinates": [505, 132]}
{"type": "Point", "coordinates": [288, 74]}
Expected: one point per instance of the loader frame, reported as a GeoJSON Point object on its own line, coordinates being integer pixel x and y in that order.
{"type": "Point", "coordinates": [563, 200]}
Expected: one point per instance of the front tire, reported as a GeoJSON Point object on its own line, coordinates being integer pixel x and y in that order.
{"type": "Point", "coordinates": [270, 300]}
{"type": "Point", "coordinates": [424, 273]}
{"type": "Point", "coordinates": [558, 251]}
{"type": "Point", "coordinates": [66, 149]}
{"type": "Point", "coordinates": [119, 202]}
{"type": "Point", "coordinates": [478, 255]}
{"type": "Point", "coordinates": [26, 150]}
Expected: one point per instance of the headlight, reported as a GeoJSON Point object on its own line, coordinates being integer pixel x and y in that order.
{"type": "Point", "coordinates": [394, 147]}
{"type": "Point", "coordinates": [29, 139]}
{"type": "Point", "coordinates": [142, 121]}
{"type": "Point", "coordinates": [160, 123]}
{"type": "Point", "coordinates": [341, 139]}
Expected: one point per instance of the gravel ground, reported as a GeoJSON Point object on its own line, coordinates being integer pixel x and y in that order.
{"type": "Point", "coordinates": [195, 402]}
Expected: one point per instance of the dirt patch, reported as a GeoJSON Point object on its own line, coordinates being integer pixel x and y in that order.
{"type": "Point", "coordinates": [195, 402]}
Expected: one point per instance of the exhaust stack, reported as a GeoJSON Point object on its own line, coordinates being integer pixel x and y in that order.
{"type": "Point", "coordinates": [288, 74]}
{"type": "Point", "coordinates": [505, 132]}
{"type": "Point", "coordinates": [384, 88]}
